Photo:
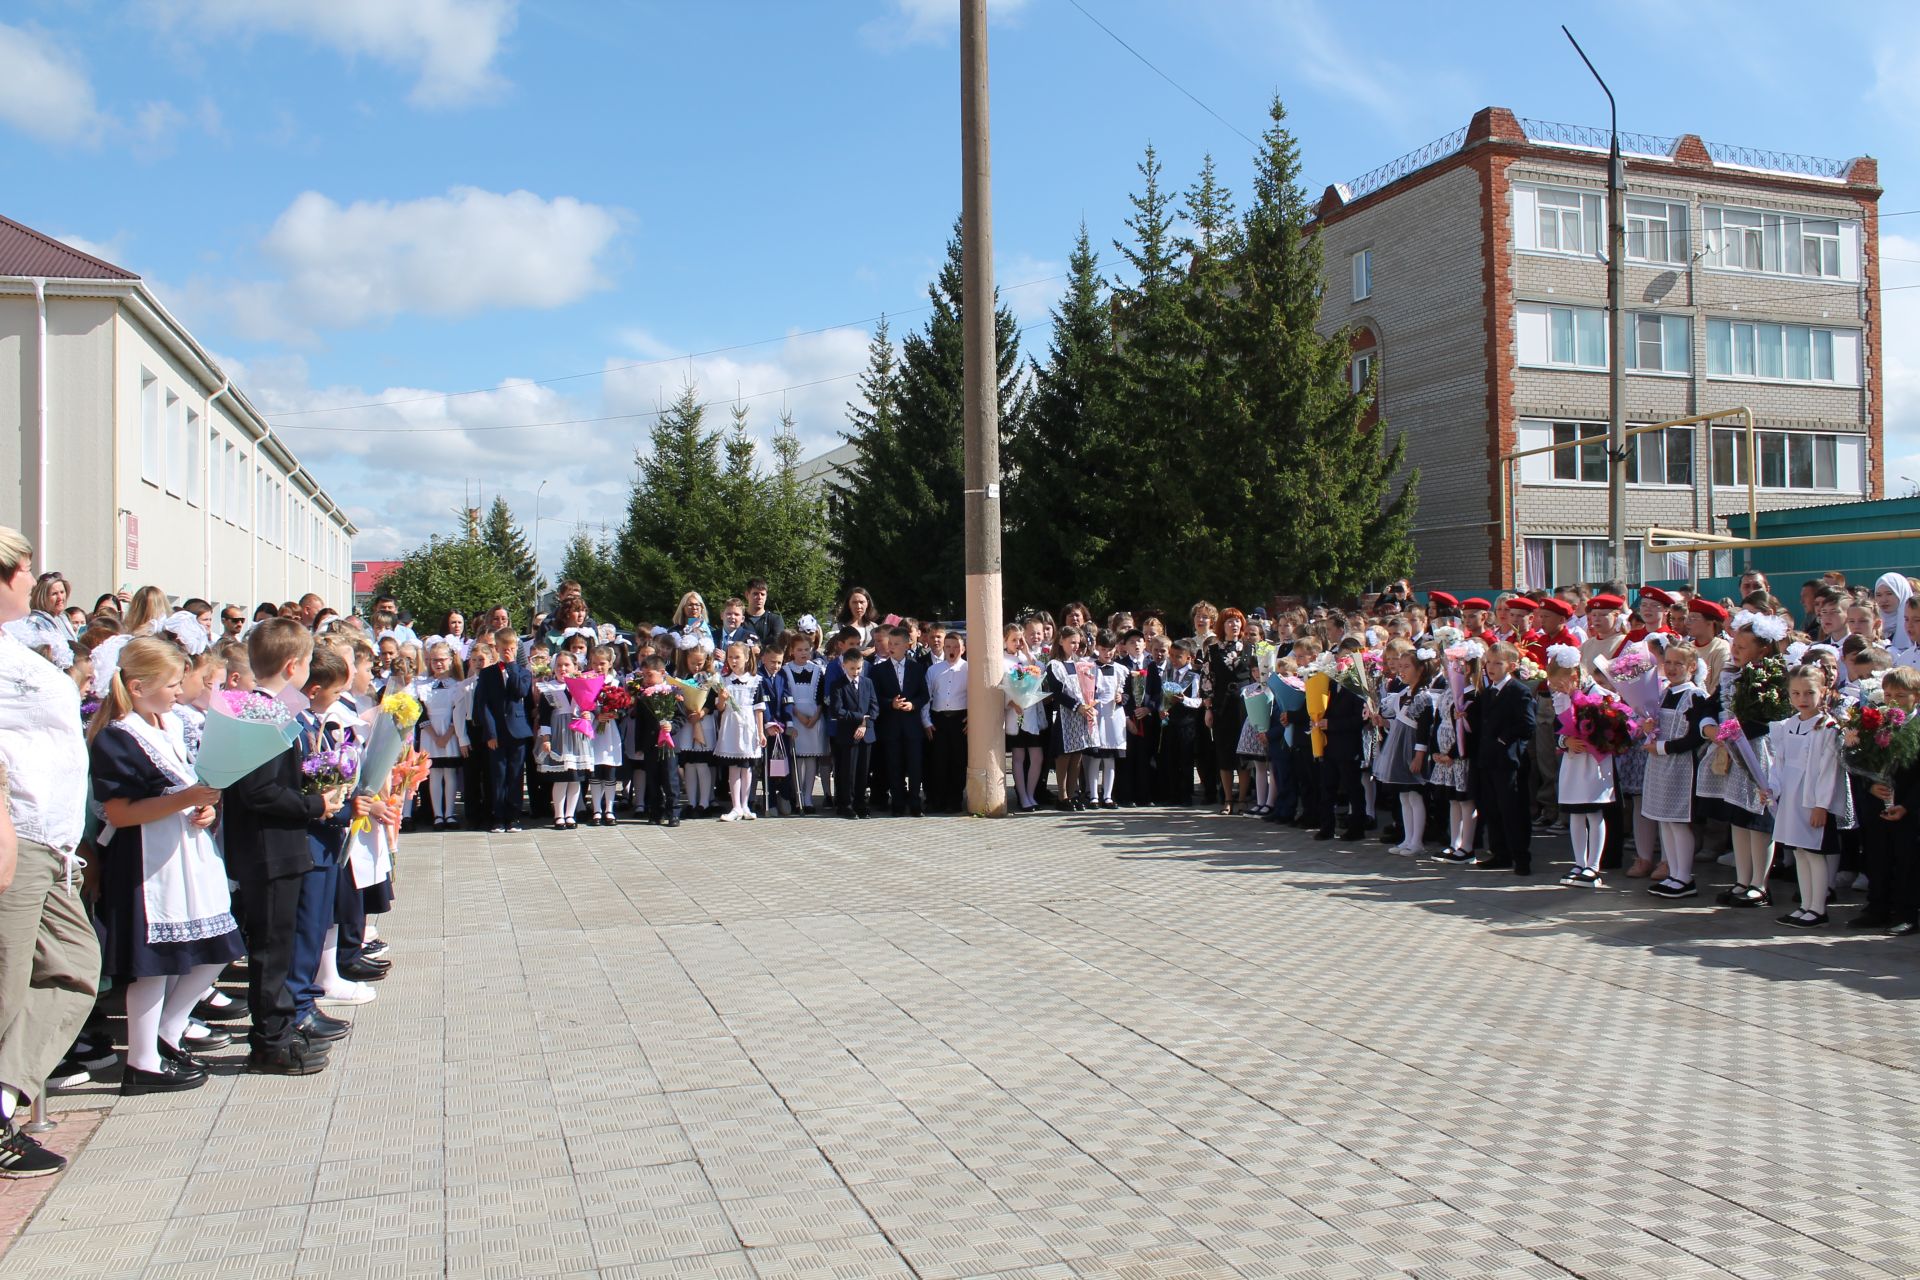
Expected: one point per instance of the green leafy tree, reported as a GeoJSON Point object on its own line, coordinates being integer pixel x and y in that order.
{"type": "Point", "coordinates": [907, 546]}
{"type": "Point", "coordinates": [459, 572]}
{"type": "Point", "coordinates": [1327, 517]}
{"type": "Point", "coordinates": [509, 545]}
{"type": "Point", "coordinates": [1067, 462]}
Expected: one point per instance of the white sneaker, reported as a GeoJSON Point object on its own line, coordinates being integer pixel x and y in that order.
{"type": "Point", "coordinates": [748, 815]}
{"type": "Point", "coordinates": [731, 815]}
{"type": "Point", "coordinates": [349, 993]}
{"type": "Point", "coordinates": [1409, 850]}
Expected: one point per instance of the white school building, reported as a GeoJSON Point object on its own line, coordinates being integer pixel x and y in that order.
{"type": "Point", "coordinates": [128, 457]}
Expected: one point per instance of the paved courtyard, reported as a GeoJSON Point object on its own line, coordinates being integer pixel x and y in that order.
{"type": "Point", "coordinates": [1133, 1047]}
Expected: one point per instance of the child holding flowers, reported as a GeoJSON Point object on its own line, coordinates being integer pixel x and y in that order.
{"type": "Point", "coordinates": [1672, 750]}
{"type": "Point", "coordinates": [1591, 729]}
{"type": "Point", "coordinates": [1026, 730]}
{"type": "Point", "coordinates": [741, 734]}
{"type": "Point", "coordinates": [1808, 792]}
{"type": "Point", "coordinates": [1882, 740]}
{"type": "Point", "coordinates": [560, 750]}
{"type": "Point", "coordinates": [1752, 695]}
{"type": "Point", "coordinates": [606, 750]}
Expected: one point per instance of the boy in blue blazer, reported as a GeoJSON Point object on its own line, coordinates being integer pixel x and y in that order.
{"type": "Point", "coordinates": [851, 708]}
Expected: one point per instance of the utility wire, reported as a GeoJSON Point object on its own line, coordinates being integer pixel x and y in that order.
{"type": "Point", "coordinates": [1163, 75]}
{"type": "Point", "coordinates": [645, 364]}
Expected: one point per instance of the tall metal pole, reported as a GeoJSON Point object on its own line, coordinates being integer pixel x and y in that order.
{"type": "Point", "coordinates": [986, 700]}
{"type": "Point", "coordinates": [1616, 333]}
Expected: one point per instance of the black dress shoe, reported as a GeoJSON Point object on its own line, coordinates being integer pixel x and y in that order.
{"type": "Point", "coordinates": [172, 1077]}
{"type": "Point", "coordinates": [1324, 833]}
{"type": "Point", "coordinates": [237, 1011]}
{"type": "Point", "coordinates": [1355, 834]}
{"type": "Point", "coordinates": [863, 814]}
{"type": "Point", "coordinates": [671, 822]}
{"type": "Point", "coordinates": [378, 962]}
{"type": "Point", "coordinates": [168, 1053]}
{"type": "Point", "coordinates": [361, 972]}
{"type": "Point", "coordinates": [211, 1038]}
{"type": "Point", "coordinates": [318, 1026]}
{"type": "Point", "coordinates": [294, 1059]}
{"type": "Point", "coordinates": [1493, 864]}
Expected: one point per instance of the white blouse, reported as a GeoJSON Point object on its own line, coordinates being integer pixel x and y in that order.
{"type": "Point", "coordinates": [43, 747]}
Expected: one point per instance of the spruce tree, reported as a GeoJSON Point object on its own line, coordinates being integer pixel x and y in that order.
{"type": "Point", "coordinates": [509, 546]}
{"type": "Point", "coordinates": [669, 542]}
{"type": "Point", "coordinates": [799, 572]}
{"type": "Point", "coordinates": [1067, 464]}
{"type": "Point", "coordinates": [1329, 520]}
{"type": "Point", "coordinates": [861, 500]}
{"type": "Point", "coordinates": [590, 563]}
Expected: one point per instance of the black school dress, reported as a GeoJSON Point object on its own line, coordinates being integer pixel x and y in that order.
{"type": "Point", "coordinates": [121, 770]}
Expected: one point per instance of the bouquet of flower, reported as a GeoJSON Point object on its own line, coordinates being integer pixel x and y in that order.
{"type": "Point", "coordinates": [387, 743]}
{"type": "Point", "coordinates": [1760, 692]}
{"type": "Point", "coordinates": [1881, 740]}
{"type": "Point", "coordinates": [613, 701]}
{"type": "Point", "coordinates": [1259, 704]}
{"type": "Point", "coordinates": [254, 707]}
{"type": "Point", "coordinates": [330, 770]}
{"type": "Point", "coordinates": [661, 700]}
{"type": "Point", "coordinates": [1733, 738]}
{"type": "Point", "coordinates": [1085, 680]}
{"type": "Point", "coordinates": [1636, 678]}
{"type": "Point", "coordinates": [1532, 674]}
{"type": "Point", "coordinates": [1352, 672]}
{"type": "Point", "coordinates": [1373, 661]}
{"type": "Point", "coordinates": [694, 692]}
{"type": "Point", "coordinates": [1319, 691]}
{"type": "Point", "coordinates": [1605, 724]}
{"type": "Point", "coordinates": [541, 670]}
{"type": "Point", "coordinates": [1026, 685]}
{"type": "Point", "coordinates": [1264, 654]}
{"type": "Point", "coordinates": [1458, 656]}
{"type": "Point", "coordinates": [585, 692]}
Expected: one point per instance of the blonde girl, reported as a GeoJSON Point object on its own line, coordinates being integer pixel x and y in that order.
{"type": "Point", "coordinates": [1452, 779]}
{"type": "Point", "coordinates": [164, 916]}
{"type": "Point", "coordinates": [741, 733]}
{"type": "Point", "coordinates": [444, 735]}
{"type": "Point", "coordinates": [1809, 793]}
{"type": "Point", "coordinates": [560, 750]}
{"type": "Point", "coordinates": [607, 749]}
{"type": "Point", "coordinates": [1026, 729]}
{"type": "Point", "coordinates": [1666, 790]}
{"type": "Point", "coordinates": [693, 737]}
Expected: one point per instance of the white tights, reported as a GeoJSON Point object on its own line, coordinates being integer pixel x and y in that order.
{"type": "Point", "coordinates": [443, 785]}
{"type": "Point", "coordinates": [740, 788]}
{"type": "Point", "coordinates": [1461, 823]}
{"type": "Point", "coordinates": [805, 770]}
{"type": "Point", "coordinates": [698, 786]}
{"type": "Point", "coordinates": [1676, 846]}
{"type": "Point", "coordinates": [601, 794]}
{"type": "Point", "coordinates": [158, 1009]}
{"type": "Point", "coordinates": [1752, 857]}
{"type": "Point", "coordinates": [1027, 763]}
{"type": "Point", "coordinates": [1413, 816]}
{"type": "Point", "coordinates": [1815, 870]}
{"type": "Point", "coordinates": [1262, 784]}
{"type": "Point", "coordinates": [1589, 832]}
{"type": "Point", "coordinates": [1099, 773]}
{"type": "Point", "coordinates": [566, 801]}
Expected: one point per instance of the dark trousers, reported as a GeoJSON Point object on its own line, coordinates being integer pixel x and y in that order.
{"type": "Point", "coordinates": [1502, 792]}
{"type": "Point", "coordinates": [476, 788]}
{"type": "Point", "coordinates": [1887, 855]}
{"type": "Point", "coordinates": [902, 747]}
{"type": "Point", "coordinates": [1135, 785]}
{"type": "Point", "coordinates": [1286, 787]}
{"type": "Point", "coordinates": [1340, 779]}
{"type": "Point", "coordinates": [1178, 738]}
{"type": "Point", "coordinates": [663, 784]}
{"type": "Point", "coordinates": [947, 763]}
{"type": "Point", "coordinates": [850, 764]}
{"type": "Point", "coordinates": [350, 914]}
{"type": "Point", "coordinates": [272, 910]}
{"type": "Point", "coordinates": [319, 891]}
{"type": "Point", "coordinates": [506, 765]}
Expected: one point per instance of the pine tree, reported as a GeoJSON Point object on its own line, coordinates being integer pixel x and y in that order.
{"type": "Point", "coordinates": [860, 498]}
{"type": "Point", "coordinates": [799, 573]}
{"type": "Point", "coordinates": [1067, 466]}
{"type": "Point", "coordinates": [669, 543]}
{"type": "Point", "coordinates": [1328, 519]}
{"type": "Point", "coordinates": [509, 545]}
{"type": "Point", "coordinates": [591, 564]}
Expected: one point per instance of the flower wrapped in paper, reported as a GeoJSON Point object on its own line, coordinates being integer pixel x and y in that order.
{"type": "Point", "coordinates": [693, 692]}
{"type": "Point", "coordinates": [1319, 691]}
{"type": "Point", "coordinates": [1733, 738]}
{"type": "Point", "coordinates": [1881, 739]}
{"type": "Point", "coordinates": [1259, 703]}
{"type": "Point", "coordinates": [1760, 692]}
{"type": "Point", "coordinates": [330, 770]}
{"type": "Point", "coordinates": [661, 700]}
{"type": "Point", "coordinates": [613, 701]}
{"type": "Point", "coordinates": [388, 739]}
{"type": "Point", "coordinates": [1457, 657]}
{"type": "Point", "coordinates": [242, 732]}
{"type": "Point", "coordinates": [1635, 676]}
{"type": "Point", "coordinates": [1026, 686]}
{"type": "Point", "coordinates": [1605, 725]}
{"type": "Point", "coordinates": [585, 694]}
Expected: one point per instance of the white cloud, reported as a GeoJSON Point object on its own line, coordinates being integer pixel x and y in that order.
{"type": "Point", "coordinates": [453, 255]}
{"type": "Point", "coordinates": [44, 90]}
{"type": "Point", "coordinates": [1900, 358]}
{"type": "Point", "coordinates": [909, 22]}
{"type": "Point", "coordinates": [452, 44]}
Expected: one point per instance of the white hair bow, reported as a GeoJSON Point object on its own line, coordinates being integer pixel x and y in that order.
{"type": "Point", "coordinates": [1563, 655]}
{"type": "Point", "coordinates": [106, 661]}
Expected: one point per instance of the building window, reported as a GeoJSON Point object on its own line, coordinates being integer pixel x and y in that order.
{"type": "Point", "coordinates": [1557, 220]}
{"type": "Point", "coordinates": [1362, 372]}
{"type": "Point", "coordinates": [1656, 231]}
{"type": "Point", "coordinates": [1780, 244]}
{"type": "Point", "coordinates": [1553, 562]}
{"type": "Point", "coordinates": [1363, 275]}
{"type": "Point", "coordinates": [241, 500]}
{"type": "Point", "coordinates": [1576, 338]}
{"type": "Point", "coordinates": [216, 477]}
{"type": "Point", "coordinates": [1661, 344]}
{"type": "Point", "coordinates": [1661, 457]}
{"type": "Point", "coordinates": [176, 415]}
{"type": "Point", "coordinates": [1782, 352]}
{"type": "Point", "coordinates": [153, 431]}
{"type": "Point", "coordinates": [1588, 463]}
{"type": "Point", "coordinates": [196, 452]}
{"type": "Point", "coordinates": [1791, 460]}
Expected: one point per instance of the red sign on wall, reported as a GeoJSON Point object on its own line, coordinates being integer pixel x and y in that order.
{"type": "Point", "coordinates": [133, 541]}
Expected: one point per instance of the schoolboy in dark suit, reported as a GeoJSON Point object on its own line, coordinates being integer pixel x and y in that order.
{"type": "Point", "coordinates": [851, 709]}
{"type": "Point", "coordinates": [500, 706]}
{"type": "Point", "coordinates": [900, 684]}
{"type": "Point", "coordinates": [1500, 724]}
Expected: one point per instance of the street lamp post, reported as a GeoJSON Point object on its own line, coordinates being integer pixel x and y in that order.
{"type": "Point", "coordinates": [533, 605]}
{"type": "Point", "coordinates": [1616, 332]}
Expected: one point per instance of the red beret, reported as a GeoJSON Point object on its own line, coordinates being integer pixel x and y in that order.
{"type": "Point", "coordinates": [1656, 595]}
{"type": "Point", "coordinates": [1523, 602]}
{"type": "Point", "coordinates": [1441, 599]}
{"type": "Point", "coordinates": [1707, 609]}
{"type": "Point", "coordinates": [1605, 600]}
{"type": "Point", "coordinates": [1554, 604]}
{"type": "Point", "coordinates": [1475, 602]}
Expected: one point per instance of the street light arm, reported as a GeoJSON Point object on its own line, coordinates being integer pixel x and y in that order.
{"type": "Point", "coordinates": [1613, 112]}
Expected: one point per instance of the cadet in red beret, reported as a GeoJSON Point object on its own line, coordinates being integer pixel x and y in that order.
{"type": "Point", "coordinates": [1706, 624]}
{"type": "Point", "coordinates": [1475, 619]}
{"type": "Point", "coordinates": [1552, 630]}
{"type": "Point", "coordinates": [1514, 619]}
{"type": "Point", "coordinates": [1652, 619]}
{"type": "Point", "coordinates": [1443, 605]}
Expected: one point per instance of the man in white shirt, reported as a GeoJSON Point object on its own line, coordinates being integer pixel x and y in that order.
{"type": "Point", "coordinates": [945, 720]}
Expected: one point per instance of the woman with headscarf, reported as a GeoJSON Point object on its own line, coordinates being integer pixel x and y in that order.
{"type": "Point", "coordinates": [1890, 595]}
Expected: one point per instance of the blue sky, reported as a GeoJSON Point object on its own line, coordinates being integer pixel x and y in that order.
{"type": "Point", "coordinates": [360, 201]}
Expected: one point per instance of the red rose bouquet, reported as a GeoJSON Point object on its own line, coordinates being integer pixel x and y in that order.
{"type": "Point", "coordinates": [1605, 724]}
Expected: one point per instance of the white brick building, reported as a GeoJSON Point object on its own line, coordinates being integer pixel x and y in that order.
{"type": "Point", "coordinates": [128, 457]}
{"type": "Point", "coordinates": [1473, 274]}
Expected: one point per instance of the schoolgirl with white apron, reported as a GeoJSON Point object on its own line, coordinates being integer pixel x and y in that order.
{"type": "Point", "coordinates": [808, 742]}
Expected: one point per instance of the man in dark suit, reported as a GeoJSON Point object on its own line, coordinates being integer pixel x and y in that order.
{"type": "Point", "coordinates": [500, 707]}
{"type": "Point", "coordinates": [900, 683]}
{"type": "Point", "coordinates": [1500, 735]}
{"type": "Point", "coordinates": [851, 708]}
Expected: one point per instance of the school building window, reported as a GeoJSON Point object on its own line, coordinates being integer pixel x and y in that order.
{"type": "Point", "coordinates": [176, 416]}
{"type": "Point", "coordinates": [1759, 242]}
{"type": "Point", "coordinates": [1782, 352]}
{"type": "Point", "coordinates": [1661, 457]}
{"type": "Point", "coordinates": [1363, 275]}
{"type": "Point", "coordinates": [1362, 372]}
{"type": "Point", "coordinates": [1656, 231]}
{"type": "Point", "coordinates": [153, 439]}
{"type": "Point", "coordinates": [1661, 344]}
{"type": "Point", "coordinates": [1555, 562]}
{"type": "Point", "coordinates": [1792, 460]}
{"type": "Point", "coordinates": [1558, 220]}
{"type": "Point", "coordinates": [1561, 337]}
